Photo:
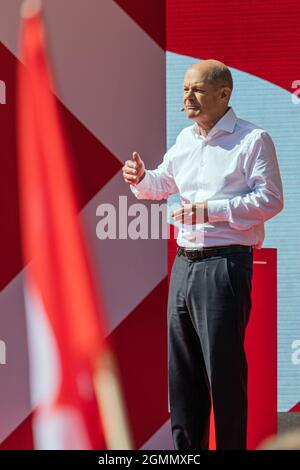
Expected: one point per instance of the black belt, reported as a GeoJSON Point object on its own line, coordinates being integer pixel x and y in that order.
{"type": "Point", "coordinates": [213, 251]}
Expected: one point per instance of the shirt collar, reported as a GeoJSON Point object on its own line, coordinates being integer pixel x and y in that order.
{"type": "Point", "coordinates": [226, 123]}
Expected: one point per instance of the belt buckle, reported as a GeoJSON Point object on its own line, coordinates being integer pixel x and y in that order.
{"type": "Point", "coordinates": [194, 254]}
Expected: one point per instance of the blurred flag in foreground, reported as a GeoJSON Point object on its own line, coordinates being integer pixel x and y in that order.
{"type": "Point", "coordinates": [76, 396]}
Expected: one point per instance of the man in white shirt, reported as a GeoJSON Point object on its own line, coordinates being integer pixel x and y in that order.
{"type": "Point", "coordinates": [226, 172]}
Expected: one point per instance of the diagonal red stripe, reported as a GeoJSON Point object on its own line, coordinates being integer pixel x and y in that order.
{"type": "Point", "coordinates": [295, 408]}
{"type": "Point", "coordinates": [94, 166]}
{"type": "Point", "coordinates": [21, 438]}
{"type": "Point", "coordinates": [150, 16]}
{"type": "Point", "coordinates": [140, 343]}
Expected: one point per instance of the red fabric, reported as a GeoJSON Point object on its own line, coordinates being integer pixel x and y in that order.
{"type": "Point", "coordinates": [295, 408]}
{"type": "Point", "coordinates": [250, 36]}
{"type": "Point", "coordinates": [261, 348]}
{"type": "Point", "coordinates": [21, 438]}
{"type": "Point", "coordinates": [52, 237]}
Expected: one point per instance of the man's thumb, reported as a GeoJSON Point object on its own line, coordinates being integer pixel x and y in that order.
{"type": "Point", "coordinates": [136, 158]}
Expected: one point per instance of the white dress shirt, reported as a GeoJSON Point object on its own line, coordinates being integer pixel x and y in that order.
{"type": "Point", "coordinates": [234, 168]}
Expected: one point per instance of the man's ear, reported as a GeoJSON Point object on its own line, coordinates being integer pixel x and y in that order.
{"type": "Point", "coordinates": [226, 93]}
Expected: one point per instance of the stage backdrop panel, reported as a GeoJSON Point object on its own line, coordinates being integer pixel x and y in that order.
{"type": "Point", "coordinates": [259, 41]}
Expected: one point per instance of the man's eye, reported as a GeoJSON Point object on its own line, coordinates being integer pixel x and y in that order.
{"type": "Point", "coordinates": [194, 91]}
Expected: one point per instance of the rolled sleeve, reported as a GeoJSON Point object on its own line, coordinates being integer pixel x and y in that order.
{"type": "Point", "coordinates": [140, 188]}
{"type": "Point", "coordinates": [218, 210]}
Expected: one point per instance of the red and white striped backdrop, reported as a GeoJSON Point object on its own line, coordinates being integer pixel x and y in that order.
{"type": "Point", "coordinates": [108, 59]}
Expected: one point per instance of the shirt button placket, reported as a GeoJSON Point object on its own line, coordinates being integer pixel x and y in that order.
{"type": "Point", "coordinates": [202, 163]}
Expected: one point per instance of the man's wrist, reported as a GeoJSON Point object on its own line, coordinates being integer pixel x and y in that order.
{"type": "Point", "coordinates": [142, 177]}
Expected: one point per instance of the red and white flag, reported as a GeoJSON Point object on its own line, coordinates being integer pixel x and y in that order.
{"type": "Point", "coordinates": [65, 322]}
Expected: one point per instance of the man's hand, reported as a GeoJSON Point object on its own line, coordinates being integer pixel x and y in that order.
{"type": "Point", "coordinates": [192, 214]}
{"type": "Point", "coordinates": [133, 170]}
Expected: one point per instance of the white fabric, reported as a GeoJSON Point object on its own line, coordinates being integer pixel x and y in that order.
{"type": "Point", "coordinates": [234, 167]}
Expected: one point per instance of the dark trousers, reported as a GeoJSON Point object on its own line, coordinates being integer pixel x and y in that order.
{"type": "Point", "coordinates": [208, 309]}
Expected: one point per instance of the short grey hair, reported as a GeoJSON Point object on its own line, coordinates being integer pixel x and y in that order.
{"type": "Point", "coordinates": [220, 76]}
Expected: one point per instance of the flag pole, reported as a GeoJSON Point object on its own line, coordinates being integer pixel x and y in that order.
{"type": "Point", "coordinates": [30, 8]}
{"type": "Point", "coordinates": [110, 402]}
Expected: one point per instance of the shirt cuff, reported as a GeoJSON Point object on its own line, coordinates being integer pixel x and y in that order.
{"type": "Point", "coordinates": [141, 186]}
{"type": "Point", "coordinates": [218, 210]}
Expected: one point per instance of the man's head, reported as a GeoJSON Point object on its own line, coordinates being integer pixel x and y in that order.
{"type": "Point", "coordinates": [207, 89]}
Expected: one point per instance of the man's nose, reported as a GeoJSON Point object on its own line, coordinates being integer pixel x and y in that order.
{"type": "Point", "coordinates": [188, 94]}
